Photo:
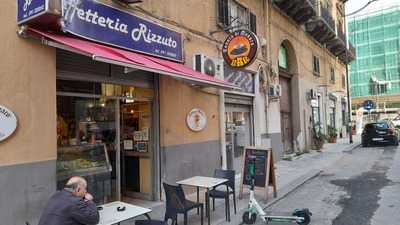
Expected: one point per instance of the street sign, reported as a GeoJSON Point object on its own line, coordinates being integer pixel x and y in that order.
{"type": "Point", "coordinates": [368, 105]}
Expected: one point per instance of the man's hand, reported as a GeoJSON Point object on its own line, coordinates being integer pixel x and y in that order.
{"type": "Point", "coordinates": [88, 197]}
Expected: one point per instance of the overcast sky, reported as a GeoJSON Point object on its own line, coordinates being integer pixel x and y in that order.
{"type": "Point", "coordinates": [353, 5]}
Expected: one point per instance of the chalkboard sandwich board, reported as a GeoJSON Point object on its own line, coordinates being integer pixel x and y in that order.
{"type": "Point", "coordinates": [264, 169]}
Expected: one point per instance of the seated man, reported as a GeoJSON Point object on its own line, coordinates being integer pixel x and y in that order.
{"type": "Point", "coordinates": [71, 206]}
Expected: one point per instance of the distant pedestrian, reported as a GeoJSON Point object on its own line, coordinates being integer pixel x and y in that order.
{"type": "Point", "coordinates": [71, 206]}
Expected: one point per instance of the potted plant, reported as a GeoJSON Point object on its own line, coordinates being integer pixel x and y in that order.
{"type": "Point", "coordinates": [332, 134]}
{"type": "Point", "coordinates": [318, 137]}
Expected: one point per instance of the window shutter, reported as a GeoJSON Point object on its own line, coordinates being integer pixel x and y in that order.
{"type": "Point", "coordinates": [253, 23]}
{"type": "Point", "coordinates": [223, 17]}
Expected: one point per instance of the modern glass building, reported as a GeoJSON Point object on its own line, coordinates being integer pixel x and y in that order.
{"type": "Point", "coordinates": [375, 74]}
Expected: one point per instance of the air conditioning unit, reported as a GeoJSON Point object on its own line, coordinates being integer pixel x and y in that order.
{"type": "Point", "coordinates": [313, 94]}
{"type": "Point", "coordinates": [278, 90]}
{"type": "Point", "coordinates": [208, 65]}
{"type": "Point", "coordinates": [274, 91]}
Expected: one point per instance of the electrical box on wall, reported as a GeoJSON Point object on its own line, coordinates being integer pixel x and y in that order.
{"type": "Point", "coordinates": [274, 91]}
{"type": "Point", "coordinates": [208, 65]}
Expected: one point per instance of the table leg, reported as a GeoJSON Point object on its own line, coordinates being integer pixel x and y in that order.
{"type": "Point", "coordinates": [208, 204]}
{"type": "Point", "coordinates": [227, 204]}
{"type": "Point", "coordinates": [198, 192]}
{"type": "Point", "coordinates": [147, 216]}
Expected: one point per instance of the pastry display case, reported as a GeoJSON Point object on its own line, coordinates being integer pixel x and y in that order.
{"type": "Point", "coordinates": [89, 161]}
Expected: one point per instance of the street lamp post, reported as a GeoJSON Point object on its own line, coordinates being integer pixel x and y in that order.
{"type": "Point", "coordinates": [347, 84]}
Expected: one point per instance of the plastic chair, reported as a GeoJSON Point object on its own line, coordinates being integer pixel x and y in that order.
{"type": "Point", "coordinates": [223, 194]}
{"type": "Point", "coordinates": [176, 203]}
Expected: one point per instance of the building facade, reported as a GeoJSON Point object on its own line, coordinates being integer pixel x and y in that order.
{"type": "Point", "coordinates": [375, 74]}
{"type": "Point", "coordinates": [147, 114]}
{"type": "Point", "coordinates": [308, 56]}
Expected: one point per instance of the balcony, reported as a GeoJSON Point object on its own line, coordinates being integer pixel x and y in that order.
{"type": "Point", "coordinates": [299, 10]}
{"type": "Point", "coordinates": [337, 46]}
{"type": "Point", "coordinates": [321, 26]}
{"type": "Point", "coordinates": [349, 55]}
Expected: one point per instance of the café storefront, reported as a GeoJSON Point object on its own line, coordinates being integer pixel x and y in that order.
{"type": "Point", "coordinates": [114, 76]}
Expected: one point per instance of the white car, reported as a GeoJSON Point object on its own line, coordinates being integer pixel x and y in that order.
{"type": "Point", "coordinates": [396, 121]}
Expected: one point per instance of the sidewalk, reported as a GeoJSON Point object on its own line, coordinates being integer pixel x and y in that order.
{"type": "Point", "coordinates": [289, 175]}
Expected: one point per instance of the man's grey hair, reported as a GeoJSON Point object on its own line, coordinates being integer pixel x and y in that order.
{"type": "Point", "coordinates": [75, 182]}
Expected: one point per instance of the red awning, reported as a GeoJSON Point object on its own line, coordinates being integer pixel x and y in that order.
{"type": "Point", "coordinates": [134, 60]}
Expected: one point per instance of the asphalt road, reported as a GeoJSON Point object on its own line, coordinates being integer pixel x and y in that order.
{"type": "Point", "coordinates": [362, 188]}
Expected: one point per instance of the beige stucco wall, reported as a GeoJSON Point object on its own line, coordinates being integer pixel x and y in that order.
{"type": "Point", "coordinates": [176, 100]}
{"type": "Point", "coordinates": [27, 85]}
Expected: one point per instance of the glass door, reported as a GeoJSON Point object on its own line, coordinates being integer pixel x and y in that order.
{"type": "Point", "coordinates": [136, 163]}
{"type": "Point", "coordinates": [238, 133]}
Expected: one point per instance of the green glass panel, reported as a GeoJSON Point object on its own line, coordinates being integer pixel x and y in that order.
{"type": "Point", "coordinates": [283, 63]}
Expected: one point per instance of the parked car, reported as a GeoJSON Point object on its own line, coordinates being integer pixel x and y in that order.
{"type": "Point", "coordinates": [379, 133]}
{"type": "Point", "coordinates": [396, 121]}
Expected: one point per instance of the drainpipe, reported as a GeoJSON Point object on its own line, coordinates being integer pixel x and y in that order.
{"type": "Point", "coordinates": [224, 163]}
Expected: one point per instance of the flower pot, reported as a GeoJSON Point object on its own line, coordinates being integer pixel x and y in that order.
{"type": "Point", "coordinates": [332, 140]}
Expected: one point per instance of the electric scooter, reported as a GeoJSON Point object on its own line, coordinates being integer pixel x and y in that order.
{"type": "Point", "coordinates": [300, 216]}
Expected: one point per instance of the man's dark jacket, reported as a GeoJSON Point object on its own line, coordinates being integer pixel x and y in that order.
{"type": "Point", "coordinates": [64, 208]}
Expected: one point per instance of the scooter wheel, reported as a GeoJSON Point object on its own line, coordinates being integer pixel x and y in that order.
{"type": "Point", "coordinates": [249, 218]}
{"type": "Point", "coordinates": [305, 213]}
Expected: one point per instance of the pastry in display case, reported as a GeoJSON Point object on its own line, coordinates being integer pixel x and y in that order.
{"type": "Point", "coordinates": [89, 161]}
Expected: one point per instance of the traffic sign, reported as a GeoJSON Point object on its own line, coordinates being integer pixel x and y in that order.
{"type": "Point", "coordinates": [368, 105]}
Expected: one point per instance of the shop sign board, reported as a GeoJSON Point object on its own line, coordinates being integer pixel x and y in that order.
{"type": "Point", "coordinates": [8, 122]}
{"type": "Point", "coordinates": [240, 48]}
{"type": "Point", "coordinates": [105, 24]}
{"type": "Point", "coordinates": [30, 9]}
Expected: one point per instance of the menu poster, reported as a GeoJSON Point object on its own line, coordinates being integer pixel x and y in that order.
{"type": "Point", "coordinates": [137, 135]}
{"type": "Point", "coordinates": [128, 144]}
{"type": "Point", "coordinates": [145, 134]}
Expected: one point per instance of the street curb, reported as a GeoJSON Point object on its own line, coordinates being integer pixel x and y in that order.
{"type": "Point", "coordinates": [293, 186]}
{"type": "Point", "coordinates": [352, 147]}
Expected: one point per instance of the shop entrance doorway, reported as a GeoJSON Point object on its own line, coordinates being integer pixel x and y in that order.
{"type": "Point", "coordinates": [238, 132]}
{"type": "Point", "coordinates": [286, 114]}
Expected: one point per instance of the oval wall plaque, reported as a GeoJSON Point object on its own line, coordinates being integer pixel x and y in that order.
{"type": "Point", "coordinates": [196, 119]}
{"type": "Point", "coordinates": [8, 122]}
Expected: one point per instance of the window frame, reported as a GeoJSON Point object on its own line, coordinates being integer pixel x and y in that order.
{"type": "Point", "coordinates": [332, 77]}
{"type": "Point", "coordinates": [230, 22]}
{"type": "Point", "coordinates": [316, 66]}
{"type": "Point", "coordinates": [344, 81]}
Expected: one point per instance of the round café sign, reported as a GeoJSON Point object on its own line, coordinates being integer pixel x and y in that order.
{"type": "Point", "coordinates": [196, 120]}
{"type": "Point", "coordinates": [240, 48]}
{"type": "Point", "coordinates": [8, 122]}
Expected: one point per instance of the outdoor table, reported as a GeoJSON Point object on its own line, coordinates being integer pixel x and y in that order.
{"type": "Point", "coordinates": [110, 215]}
{"type": "Point", "coordinates": [208, 183]}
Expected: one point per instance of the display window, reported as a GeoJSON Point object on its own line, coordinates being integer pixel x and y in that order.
{"type": "Point", "coordinates": [104, 135]}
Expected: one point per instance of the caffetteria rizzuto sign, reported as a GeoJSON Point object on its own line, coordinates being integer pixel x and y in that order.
{"type": "Point", "coordinates": [99, 22]}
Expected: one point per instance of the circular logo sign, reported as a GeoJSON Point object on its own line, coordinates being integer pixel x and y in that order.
{"type": "Point", "coordinates": [240, 48]}
{"type": "Point", "coordinates": [8, 122]}
{"type": "Point", "coordinates": [196, 120]}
